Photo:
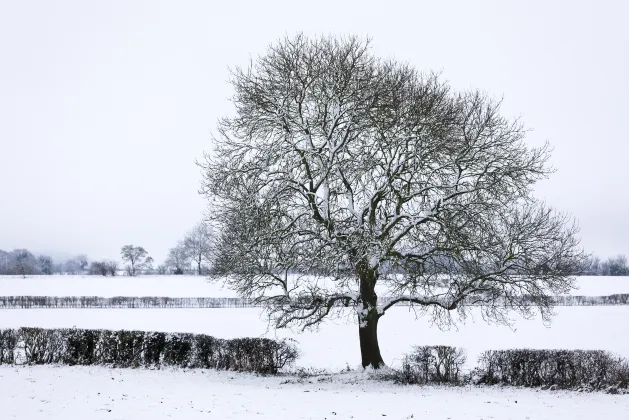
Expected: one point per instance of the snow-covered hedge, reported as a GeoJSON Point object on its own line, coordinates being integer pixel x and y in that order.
{"type": "Point", "coordinates": [143, 349]}
{"type": "Point", "coordinates": [51, 302]}
{"type": "Point", "coordinates": [590, 369]}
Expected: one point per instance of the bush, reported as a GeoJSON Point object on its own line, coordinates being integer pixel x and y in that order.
{"type": "Point", "coordinates": [432, 364]}
{"type": "Point", "coordinates": [594, 369]}
{"type": "Point", "coordinates": [143, 349]}
{"type": "Point", "coordinates": [8, 342]}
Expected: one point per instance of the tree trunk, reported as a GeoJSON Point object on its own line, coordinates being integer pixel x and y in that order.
{"type": "Point", "coordinates": [199, 267]}
{"type": "Point", "coordinates": [368, 317]}
{"type": "Point", "coordinates": [368, 334]}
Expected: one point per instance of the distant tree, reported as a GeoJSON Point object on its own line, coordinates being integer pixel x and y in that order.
{"type": "Point", "coordinates": [592, 266]}
{"type": "Point", "coordinates": [112, 267]}
{"type": "Point", "coordinates": [198, 245]}
{"type": "Point", "coordinates": [98, 268]}
{"type": "Point", "coordinates": [137, 259]}
{"type": "Point", "coordinates": [25, 262]}
{"type": "Point", "coordinates": [354, 167]}
{"type": "Point", "coordinates": [162, 269]}
{"type": "Point", "coordinates": [45, 264]}
{"type": "Point", "coordinates": [618, 266]}
{"type": "Point", "coordinates": [81, 261]}
{"type": "Point", "coordinates": [178, 259]}
{"type": "Point", "coordinates": [5, 259]}
{"type": "Point", "coordinates": [72, 266]}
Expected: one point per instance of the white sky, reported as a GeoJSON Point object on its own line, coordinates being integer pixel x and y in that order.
{"type": "Point", "coordinates": [104, 106]}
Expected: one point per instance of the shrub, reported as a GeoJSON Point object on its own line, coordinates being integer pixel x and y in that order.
{"type": "Point", "coordinates": [8, 342]}
{"type": "Point", "coordinates": [432, 364]}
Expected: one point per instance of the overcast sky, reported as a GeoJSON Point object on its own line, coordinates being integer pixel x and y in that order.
{"type": "Point", "coordinates": [104, 106]}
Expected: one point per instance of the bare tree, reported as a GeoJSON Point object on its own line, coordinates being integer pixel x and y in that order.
{"type": "Point", "coordinates": [198, 245]}
{"type": "Point", "coordinates": [81, 261]}
{"type": "Point", "coordinates": [112, 267]}
{"type": "Point", "coordinates": [25, 262]}
{"type": "Point", "coordinates": [97, 268]}
{"type": "Point", "coordinates": [363, 172]}
{"type": "Point", "coordinates": [45, 264]}
{"type": "Point", "coordinates": [137, 259]}
{"type": "Point", "coordinates": [4, 261]}
{"type": "Point", "coordinates": [178, 259]}
{"type": "Point", "coordinates": [617, 266]}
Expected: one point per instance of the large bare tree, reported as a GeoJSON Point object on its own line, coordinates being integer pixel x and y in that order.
{"type": "Point", "coordinates": [342, 174]}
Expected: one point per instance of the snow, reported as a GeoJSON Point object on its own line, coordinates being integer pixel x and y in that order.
{"type": "Point", "coordinates": [195, 286]}
{"type": "Point", "coordinates": [59, 393]}
{"type": "Point", "coordinates": [336, 345]}
{"type": "Point", "coordinates": [101, 393]}
{"type": "Point", "coordinates": [171, 286]}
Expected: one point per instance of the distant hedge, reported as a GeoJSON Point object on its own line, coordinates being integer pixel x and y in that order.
{"type": "Point", "coordinates": [569, 369]}
{"type": "Point", "coordinates": [143, 349]}
{"type": "Point", "coordinates": [121, 302]}
{"type": "Point", "coordinates": [129, 302]}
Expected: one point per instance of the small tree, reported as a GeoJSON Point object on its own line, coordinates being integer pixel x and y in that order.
{"type": "Point", "coordinates": [198, 245]}
{"type": "Point", "coordinates": [112, 267]}
{"type": "Point", "coordinates": [45, 264]}
{"type": "Point", "coordinates": [364, 172]}
{"type": "Point", "coordinates": [618, 266]}
{"type": "Point", "coordinates": [178, 259]}
{"type": "Point", "coordinates": [137, 259]}
{"type": "Point", "coordinates": [98, 268]}
{"type": "Point", "coordinates": [81, 261]}
{"type": "Point", "coordinates": [25, 262]}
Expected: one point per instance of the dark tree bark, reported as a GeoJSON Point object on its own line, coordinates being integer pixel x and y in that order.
{"type": "Point", "coordinates": [368, 317]}
{"type": "Point", "coordinates": [369, 348]}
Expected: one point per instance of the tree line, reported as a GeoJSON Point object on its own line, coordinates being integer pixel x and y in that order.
{"type": "Point", "coordinates": [613, 266]}
{"type": "Point", "coordinates": [193, 254]}
{"type": "Point", "coordinates": [23, 262]}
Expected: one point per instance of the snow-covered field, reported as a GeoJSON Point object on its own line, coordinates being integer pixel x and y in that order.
{"type": "Point", "coordinates": [335, 345]}
{"type": "Point", "coordinates": [171, 286]}
{"type": "Point", "coordinates": [94, 393]}
{"type": "Point", "coordinates": [195, 286]}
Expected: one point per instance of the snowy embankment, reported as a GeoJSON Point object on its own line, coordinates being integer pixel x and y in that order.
{"type": "Point", "coordinates": [335, 345]}
{"type": "Point", "coordinates": [195, 286]}
{"type": "Point", "coordinates": [101, 393]}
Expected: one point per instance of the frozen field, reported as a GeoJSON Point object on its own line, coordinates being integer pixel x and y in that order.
{"type": "Point", "coordinates": [193, 286]}
{"type": "Point", "coordinates": [335, 345]}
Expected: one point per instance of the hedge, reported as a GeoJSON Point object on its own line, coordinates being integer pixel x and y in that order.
{"type": "Point", "coordinates": [583, 370]}
{"type": "Point", "coordinates": [143, 349]}
{"type": "Point", "coordinates": [593, 369]}
{"type": "Point", "coordinates": [51, 302]}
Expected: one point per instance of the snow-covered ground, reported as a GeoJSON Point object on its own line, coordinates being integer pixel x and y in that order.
{"type": "Point", "coordinates": [171, 286]}
{"type": "Point", "coordinates": [335, 345]}
{"type": "Point", "coordinates": [60, 393]}
{"type": "Point", "coordinates": [193, 286]}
